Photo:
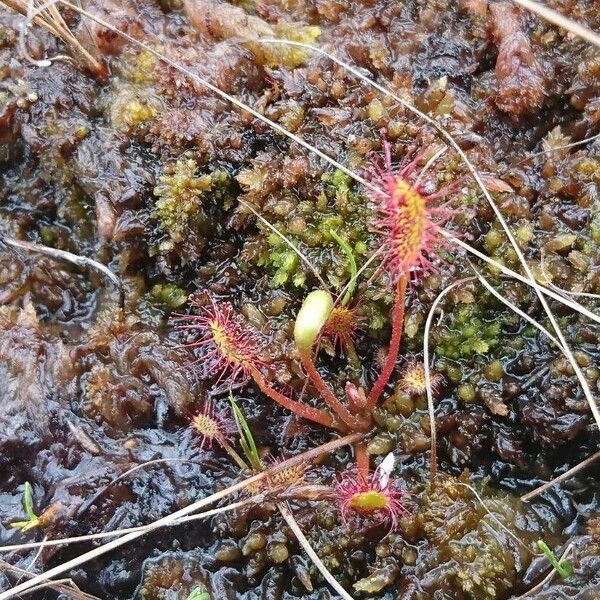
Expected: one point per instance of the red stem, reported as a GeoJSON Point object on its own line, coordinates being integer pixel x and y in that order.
{"type": "Point", "coordinates": [353, 423]}
{"type": "Point", "coordinates": [362, 459]}
{"type": "Point", "coordinates": [307, 412]}
{"type": "Point", "coordinates": [390, 362]}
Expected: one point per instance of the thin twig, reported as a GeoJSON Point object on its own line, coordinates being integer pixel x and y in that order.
{"type": "Point", "coordinates": [496, 519]}
{"type": "Point", "coordinates": [560, 290]}
{"type": "Point", "coordinates": [513, 307]}
{"type": "Point", "coordinates": [175, 65]}
{"type": "Point", "coordinates": [576, 306]}
{"type": "Point", "coordinates": [566, 475]}
{"type": "Point", "coordinates": [125, 474]}
{"type": "Point", "coordinates": [34, 559]}
{"type": "Point", "coordinates": [71, 590]}
{"type": "Point", "coordinates": [63, 586]}
{"type": "Point", "coordinates": [141, 528]}
{"type": "Point", "coordinates": [293, 525]}
{"type": "Point", "coordinates": [287, 241]}
{"type": "Point", "coordinates": [46, 15]}
{"type": "Point", "coordinates": [563, 147]}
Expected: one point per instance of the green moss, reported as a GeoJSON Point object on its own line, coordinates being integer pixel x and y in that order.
{"type": "Point", "coordinates": [469, 332]}
{"type": "Point", "coordinates": [479, 559]}
{"type": "Point", "coordinates": [494, 370]}
{"type": "Point", "coordinates": [174, 575]}
{"type": "Point", "coordinates": [309, 225]}
{"type": "Point", "coordinates": [130, 106]}
{"type": "Point", "coordinates": [467, 392]}
{"type": "Point", "coordinates": [482, 573]}
{"type": "Point", "coordinates": [181, 194]}
{"type": "Point", "coordinates": [168, 295]}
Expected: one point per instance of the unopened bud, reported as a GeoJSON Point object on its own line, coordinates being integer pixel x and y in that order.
{"type": "Point", "coordinates": [313, 315]}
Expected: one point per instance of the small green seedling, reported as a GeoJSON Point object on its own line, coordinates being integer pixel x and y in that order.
{"type": "Point", "coordinates": [562, 567]}
{"type": "Point", "coordinates": [32, 519]}
{"type": "Point", "coordinates": [246, 438]}
{"type": "Point", "coordinates": [198, 594]}
{"type": "Point", "coordinates": [351, 264]}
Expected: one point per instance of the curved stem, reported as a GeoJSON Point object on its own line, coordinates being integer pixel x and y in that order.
{"type": "Point", "coordinates": [362, 459]}
{"type": "Point", "coordinates": [307, 412]}
{"type": "Point", "coordinates": [390, 363]}
{"type": "Point", "coordinates": [354, 423]}
{"type": "Point", "coordinates": [430, 405]}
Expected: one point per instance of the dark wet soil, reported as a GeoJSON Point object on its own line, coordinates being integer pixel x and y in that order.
{"type": "Point", "coordinates": [151, 174]}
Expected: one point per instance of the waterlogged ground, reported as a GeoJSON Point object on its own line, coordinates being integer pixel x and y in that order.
{"type": "Point", "coordinates": [148, 172]}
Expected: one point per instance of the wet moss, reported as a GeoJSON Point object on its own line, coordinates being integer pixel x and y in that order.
{"type": "Point", "coordinates": [180, 208]}
{"type": "Point", "coordinates": [175, 575]}
{"type": "Point", "coordinates": [309, 225]}
{"type": "Point", "coordinates": [471, 549]}
{"type": "Point", "coordinates": [468, 332]}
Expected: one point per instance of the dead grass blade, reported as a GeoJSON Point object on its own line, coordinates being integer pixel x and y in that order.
{"type": "Point", "coordinates": [63, 586]}
{"type": "Point", "coordinates": [142, 528]}
{"type": "Point", "coordinates": [426, 365]}
{"type": "Point", "coordinates": [157, 461]}
{"type": "Point", "coordinates": [566, 475]}
{"type": "Point", "coordinates": [287, 241]}
{"type": "Point", "coordinates": [496, 519]}
{"type": "Point", "coordinates": [576, 306]}
{"type": "Point", "coordinates": [46, 15]}
{"type": "Point", "coordinates": [80, 261]}
{"type": "Point", "coordinates": [513, 307]}
{"type": "Point", "coordinates": [286, 513]}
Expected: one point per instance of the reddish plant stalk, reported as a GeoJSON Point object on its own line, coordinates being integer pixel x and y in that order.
{"type": "Point", "coordinates": [354, 423]}
{"type": "Point", "coordinates": [362, 459]}
{"type": "Point", "coordinates": [307, 412]}
{"type": "Point", "coordinates": [390, 363]}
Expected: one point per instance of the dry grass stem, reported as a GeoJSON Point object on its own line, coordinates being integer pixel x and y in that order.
{"type": "Point", "coordinates": [75, 259]}
{"type": "Point", "coordinates": [566, 475]}
{"type": "Point", "coordinates": [556, 18]}
{"type": "Point", "coordinates": [46, 15]}
{"type": "Point", "coordinates": [293, 525]}
{"type": "Point", "coordinates": [142, 528]}
{"type": "Point", "coordinates": [62, 586]}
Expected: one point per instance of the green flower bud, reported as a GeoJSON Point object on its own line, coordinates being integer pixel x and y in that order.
{"type": "Point", "coordinates": [313, 314]}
